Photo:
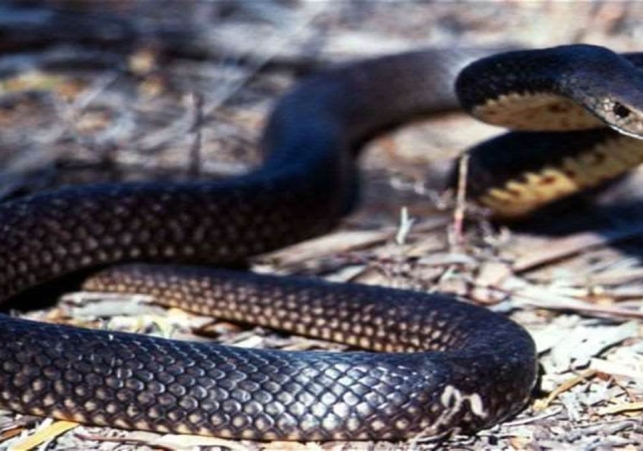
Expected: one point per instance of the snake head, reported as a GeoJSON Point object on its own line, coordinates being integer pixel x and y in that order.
{"type": "Point", "coordinates": [623, 113]}
{"type": "Point", "coordinates": [609, 86]}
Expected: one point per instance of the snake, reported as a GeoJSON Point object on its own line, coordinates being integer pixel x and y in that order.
{"type": "Point", "coordinates": [425, 364]}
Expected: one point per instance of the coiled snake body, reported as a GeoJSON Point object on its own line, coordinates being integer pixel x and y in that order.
{"type": "Point", "coordinates": [446, 365]}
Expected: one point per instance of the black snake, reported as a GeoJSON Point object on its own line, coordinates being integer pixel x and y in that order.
{"type": "Point", "coordinates": [445, 365]}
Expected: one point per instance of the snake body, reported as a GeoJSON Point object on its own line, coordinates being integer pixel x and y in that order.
{"type": "Point", "coordinates": [445, 365]}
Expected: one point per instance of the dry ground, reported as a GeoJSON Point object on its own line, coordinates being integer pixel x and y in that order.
{"type": "Point", "coordinates": [120, 108]}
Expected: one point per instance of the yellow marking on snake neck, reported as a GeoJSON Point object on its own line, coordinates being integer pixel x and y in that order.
{"type": "Point", "coordinates": [535, 189]}
{"type": "Point", "coordinates": [535, 112]}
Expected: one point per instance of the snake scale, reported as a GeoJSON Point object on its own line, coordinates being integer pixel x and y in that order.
{"type": "Point", "coordinates": [445, 365]}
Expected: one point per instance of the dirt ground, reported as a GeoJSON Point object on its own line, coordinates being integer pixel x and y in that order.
{"type": "Point", "coordinates": [107, 90]}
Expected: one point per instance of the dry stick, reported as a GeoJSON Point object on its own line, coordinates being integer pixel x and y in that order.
{"type": "Point", "coordinates": [281, 41]}
{"type": "Point", "coordinates": [531, 419]}
{"type": "Point", "coordinates": [542, 300]}
{"type": "Point", "coordinates": [566, 247]}
{"type": "Point", "coordinates": [69, 114]}
{"type": "Point", "coordinates": [183, 124]}
{"type": "Point", "coordinates": [565, 386]}
{"type": "Point", "coordinates": [343, 241]}
{"type": "Point", "coordinates": [194, 168]}
{"type": "Point", "coordinates": [460, 210]}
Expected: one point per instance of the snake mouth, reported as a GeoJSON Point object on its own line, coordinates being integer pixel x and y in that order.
{"type": "Point", "coordinates": [622, 117]}
{"type": "Point", "coordinates": [611, 88]}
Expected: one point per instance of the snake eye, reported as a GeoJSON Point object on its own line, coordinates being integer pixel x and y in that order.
{"type": "Point", "coordinates": [620, 110]}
